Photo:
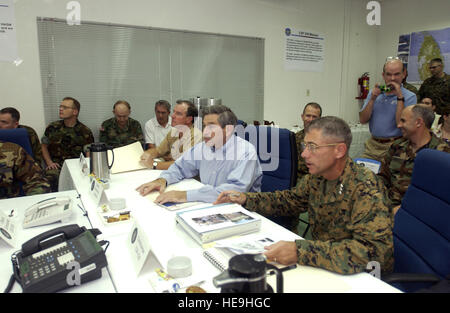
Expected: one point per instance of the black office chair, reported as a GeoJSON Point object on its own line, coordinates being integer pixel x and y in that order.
{"type": "Point", "coordinates": [422, 225]}
{"type": "Point", "coordinates": [241, 122]}
{"type": "Point", "coordinates": [277, 153]}
{"type": "Point", "coordinates": [18, 136]}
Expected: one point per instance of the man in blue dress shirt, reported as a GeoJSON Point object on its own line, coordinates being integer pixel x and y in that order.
{"type": "Point", "coordinates": [383, 110]}
{"type": "Point", "coordinates": [222, 160]}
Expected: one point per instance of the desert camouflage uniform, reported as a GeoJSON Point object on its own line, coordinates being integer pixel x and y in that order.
{"type": "Point", "coordinates": [113, 135]}
{"type": "Point", "coordinates": [172, 147]}
{"type": "Point", "coordinates": [18, 166]}
{"type": "Point", "coordinates": [65, 143]}
{"type": "Point", "coordinates": [437, 89]}
{"type": "Point", "coordinates": [35, 144]}
{"type": "Point", "coordinates": [397, 166]}
{"type": "Point", "coordinates": [351, 224]}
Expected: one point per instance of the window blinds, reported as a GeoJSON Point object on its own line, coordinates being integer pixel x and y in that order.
{"type": "Point", "coordinates": [99, 64]}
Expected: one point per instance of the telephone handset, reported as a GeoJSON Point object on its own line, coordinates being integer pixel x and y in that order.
{"type": "Point", "coordinates": [48, 211]}
{"type": "Point", "coordinates": [41, 265]}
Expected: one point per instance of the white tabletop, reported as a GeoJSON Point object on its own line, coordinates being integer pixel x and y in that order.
{"type": "Point", "coordinates": [167, 239]}
{"type": "Point", "coordinates": [19, 205]}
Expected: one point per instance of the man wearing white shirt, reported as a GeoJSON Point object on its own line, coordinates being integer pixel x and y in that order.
{"type": "Point", "coordinates": [222, 161]}
{"type": "Point", "coordinates": [157, 128]}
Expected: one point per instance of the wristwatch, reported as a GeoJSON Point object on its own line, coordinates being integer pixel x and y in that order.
{"type": "Point", "coordinates": [154, 164]}
{"type": "Point", "coordinates": [401, 99]}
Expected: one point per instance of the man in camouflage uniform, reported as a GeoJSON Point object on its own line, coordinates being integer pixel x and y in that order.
{"type": "Point", "coordinates": [9, 119]}
{"type": "Point", "coordinates": [64, 139]}
{"type": "Point", "coordinates": [436, 87]}
{"type": "Point", "coordinates": [350, 220]}
{"type": "Point", "coordinates": [311, 112]}
{"type": "Point", "coordinates": [397, 166]}
{"type": "Point", "coordinates": [17, 166]}
{"type": "Point", "coordinates": [121, 130]}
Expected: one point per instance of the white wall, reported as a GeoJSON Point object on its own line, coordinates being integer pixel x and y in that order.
{"type": "Point", "coordinates": [350, 47]}
{"type": "Point", "coordinates": [406, 16]}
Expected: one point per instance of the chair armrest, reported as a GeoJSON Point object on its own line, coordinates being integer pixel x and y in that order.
{"type": "Point", "coordinates": [410, 278]}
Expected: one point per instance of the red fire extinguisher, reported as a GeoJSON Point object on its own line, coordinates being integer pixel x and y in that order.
{"type": "Point", "coordinates": [363, 84]}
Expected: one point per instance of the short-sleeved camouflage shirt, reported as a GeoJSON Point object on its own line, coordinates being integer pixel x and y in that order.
{"type": "Point", "coordinates": [112, 134]}
{"type": "Point", "coordinates": [351, 224]}
{"type": "Point", "coordinates": [35, 144]}
{"type": "Point", "coordinates": [398, 163]}
{"type": "Point", "coordinates": [18, 166]}
{"type": "Point", "coordinates": [172, 147]}
{"type": "Point", "coordinates": [66, 142]}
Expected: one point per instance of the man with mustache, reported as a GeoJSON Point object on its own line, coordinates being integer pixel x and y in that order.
{"type": "Point", "coordinates": [382, 109]}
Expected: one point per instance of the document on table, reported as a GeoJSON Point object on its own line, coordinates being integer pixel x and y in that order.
{"type": "Point", "coordinates": [307, 279]}
{"type": "Point", "coordinates": [126, 158]}
{"type": "Point", "coordinates": [184, 185]}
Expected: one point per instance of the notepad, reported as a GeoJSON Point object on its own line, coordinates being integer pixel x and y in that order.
{"type": "Point", "coordinates": [220, 252]}
{"type": "Point", "coordinates": [127, 158]}
{"type": "Point", "coordinates": [219, 257]}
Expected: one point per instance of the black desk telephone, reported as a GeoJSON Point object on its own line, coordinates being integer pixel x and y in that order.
{"type": "Point", "coordinates": [41, 265]}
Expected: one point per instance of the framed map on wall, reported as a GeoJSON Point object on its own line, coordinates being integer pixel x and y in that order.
{"type": "Point", "coordinates": [421, 48]}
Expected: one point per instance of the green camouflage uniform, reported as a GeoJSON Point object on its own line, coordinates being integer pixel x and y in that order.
{"type": "Point", "coordinates": [302, 169]}
{"type": "Point", "coordinates": [65, 143]}
{"type": "Point", "coordinates": [35, 144]}
{"type": "Point", "coordinates": [18, 166]}
{"type": "Point", "coordinates": [351, 224]}
{"type": "Point", "coordinates": [113, 135]}
{"type": "Point", "coordinates": [410, 88]}
{"type": "Point", "coordinates": [398, 163]}
{"type": "Point", "coordinates": [437, 89]}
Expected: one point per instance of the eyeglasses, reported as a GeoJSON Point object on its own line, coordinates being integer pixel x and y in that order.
{"type": "Point", "coordinates": [313, 147]}
{"type": "Point", "coordinates": [433, 67]}
{"type": "Point", "coordinates": [392, 58]}
{"type": "Point", "coordinates": [63, 107]}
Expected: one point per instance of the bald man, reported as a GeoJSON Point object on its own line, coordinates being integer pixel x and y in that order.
{"type": "Point", "coordinates": [382, 110]}
{"type": "Point", "coordinates": [398, 163]}
{"type": "Point", "coordinates": [121, 129]}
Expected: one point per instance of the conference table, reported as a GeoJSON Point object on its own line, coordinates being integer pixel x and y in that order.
{"type": "Point", "coordinates": [167, 240]}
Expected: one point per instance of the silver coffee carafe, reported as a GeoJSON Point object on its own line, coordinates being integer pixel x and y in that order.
{"type": "Point", "coordinates": [99, 164]}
